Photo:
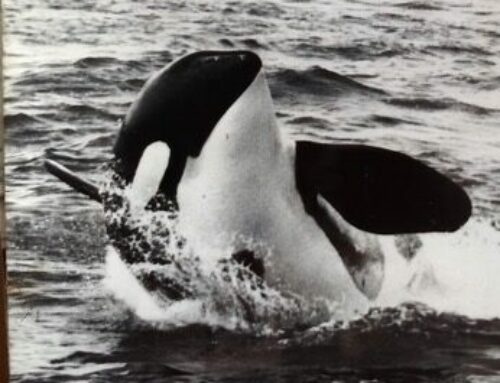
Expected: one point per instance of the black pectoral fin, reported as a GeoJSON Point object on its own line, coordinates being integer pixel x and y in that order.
{"type": "Point", "coordinates": [72, 179]}
{"type": "Point", "coordinates": [378, 190]}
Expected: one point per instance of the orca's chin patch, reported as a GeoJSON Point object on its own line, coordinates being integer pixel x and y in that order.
{"type": "Point", "coordinates": [181, 105]}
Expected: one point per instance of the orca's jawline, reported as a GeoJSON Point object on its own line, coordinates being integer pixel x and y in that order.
{"type": "Point", "coordinates": [181, 105]}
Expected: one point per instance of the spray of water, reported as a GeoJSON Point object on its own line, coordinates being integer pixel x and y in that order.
{"type": "Point", "coordinates": [164, 280]}
{"type": "Point", "coordinates": [455, 272]}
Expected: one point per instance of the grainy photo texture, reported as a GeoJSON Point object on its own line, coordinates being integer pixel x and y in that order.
{"type": "Point", "coordinates": [240, 191]}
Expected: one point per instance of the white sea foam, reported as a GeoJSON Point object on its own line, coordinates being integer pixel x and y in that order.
{"type": "Point", "coordinates": [457, 272]}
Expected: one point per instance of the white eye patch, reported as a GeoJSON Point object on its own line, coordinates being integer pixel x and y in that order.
{"type": "Point", "coordinates": [148, 175]}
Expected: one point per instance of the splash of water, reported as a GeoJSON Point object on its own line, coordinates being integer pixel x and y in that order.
{"type": "Point", "coordinates": [455, 272]}
{"type": "Point", "coordinates": [165, 281]}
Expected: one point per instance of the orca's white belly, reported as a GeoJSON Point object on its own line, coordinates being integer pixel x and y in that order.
{"type": "Point", "coordinates": [260, 204]}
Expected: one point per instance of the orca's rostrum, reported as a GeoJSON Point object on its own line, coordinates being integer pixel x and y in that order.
{"type": "Point", "coordinates": [203, 133]}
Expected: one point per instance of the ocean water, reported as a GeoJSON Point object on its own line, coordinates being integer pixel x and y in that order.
{"type": "Point", "coordinates": [422, 77]}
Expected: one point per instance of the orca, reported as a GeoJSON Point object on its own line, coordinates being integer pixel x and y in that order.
{"type": "Point", "coordinates": [203, 132]}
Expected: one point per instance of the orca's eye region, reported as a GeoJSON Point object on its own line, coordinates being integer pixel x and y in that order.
{"type": "Point", "coordinates": [182, 104]}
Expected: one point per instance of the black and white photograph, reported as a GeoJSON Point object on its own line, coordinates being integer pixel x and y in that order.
{"type": "Point", "coordinates": [252, 191]}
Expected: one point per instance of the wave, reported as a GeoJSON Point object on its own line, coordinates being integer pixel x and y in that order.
{"type": "Point", "coordinates": [45, 300]}
{"type": "Point", "coordinates": [106, 61]}
{"type": "Point", "coordinates": [52, 79]}
{"type": "Point", "coordinates": [64, 154]}
{"type": "Point", "coordinates": [396, 16]}
{"type": "Point", "coordinates": [439, 104]}
{"type": "Point", "coordinates": [101, 141]}
{"type": "Point", "coordinates": [420, 5]}
{"type": "Point", "coordinates": [20, 119]}
{"type": "Point", "coordinates": [390, 120]}
{"type": "Point", "coordinates": [364, 51]}
{"type": "Point", "coordinates": [132, 84]}
{"type": "Point", "coordinates": [309, 121]}
{"type": "Point", "coordinates": [252, 43]}
{"type": "Point", "coordinates": [316, 81]}
{"type": "Point", "coordinates": [94, 61]}
{"type": "Point", "coordinates": [249, 43]}
{"type": "Point", "coordinates": [456, 49]}
{"type": "Point", "coordinates": [261, 9]}
{"type": "Point", "coordinates": [22, 128]}
{"type": "Point", "coordinates": [87, 75]}
{"type": "Point", "coordinates": [408, 320]}
{"type": "Point", "coordinates": [77, 112]}
{"type": "Point", "coordinates": [87, 110]}
{"type": "Point", "coordinates": [226, 42]}
{"type": "Point", "coordinates": [157, 57]}
{"type": "Point", "coordinates": [123, 368]}
{"type": "Point", "coordinates": [493, 34]}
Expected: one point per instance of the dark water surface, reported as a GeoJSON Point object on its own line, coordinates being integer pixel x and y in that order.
{"type": "Point", "coordinates": [416, 76]}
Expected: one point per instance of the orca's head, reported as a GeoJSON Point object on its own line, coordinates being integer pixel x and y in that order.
{"type": "Point", "coordinates": [181, 105]}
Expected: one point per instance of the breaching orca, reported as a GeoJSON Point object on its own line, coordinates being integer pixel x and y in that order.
{"type": "Point", "coordinates": [203, 133]}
